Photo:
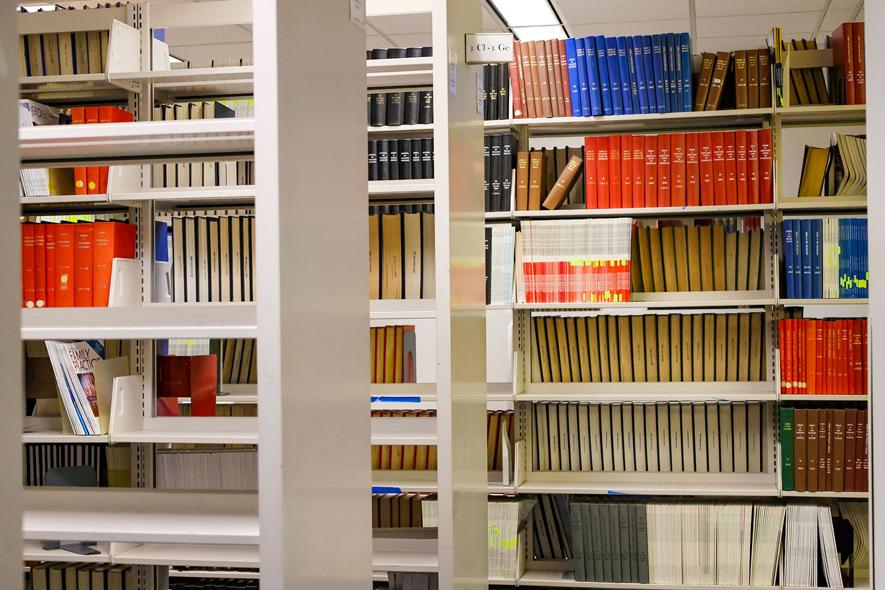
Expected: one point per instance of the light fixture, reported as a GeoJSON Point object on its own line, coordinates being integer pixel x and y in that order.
{"type": "Point", "coordinates": [175, 60]}
{"type": "Point", "coordinates": [530, 19]}
{"type": "Point", "coordinates": [539, 33]}
{"type": "Point", "coordinates": [40, 7]}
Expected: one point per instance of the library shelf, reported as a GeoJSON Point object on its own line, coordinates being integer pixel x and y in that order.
{"type": "Point", "coordinates": [498, 215]}
{"type": "Point", "coordinates": [247, 435]}
{"type": "Point", "coordinates": [711, 210]}
{"type": "Point", "coordinates": [240, 389]}
{"type": "Point", "coordinates": [238, 195]}
{"type": "Point", "coordinates": [650, 483]}
{"type": "Point", "coordinates": [829, 308]}
{"type": "Point", "coordinates": [837, 495]}
{"type": "Point", "coordinates": [423, 187]}
{"type": "Point", "coordinates": [69, 87]}
{"type": "Point", "coordinates": [405, 561]}
{"type": "Point", "coordinates": [822, 203]}
{"type": "Point", "coordinates": [558, 579]}
{"type": "Point", "coordinates": [36, 204]}
{"type": "Point", "coordinates": [399, 73]}
{"type": "Point", "coordinates": [497, 125]}
{"type": "Point", "coordinates": [649, 392]}
{"type": "Point", "coordinates": [683, 121]}
{"type": "Point", "coordinates": [180, 554]}
{"type": "Point", "coordinates": [814, 302]}
{"type": "Point", "coordinates": [390, 481]}
{"type": "Point", "coordinates": [419, 129]}
{"type": "Point", "coordinates": [149, 321]}
{"type": "Point", "coordinates": [60, 437]}
{"type": "Point", "coordinates": [216, 574]}
{"type": "Point", "coordinates": [822, 113]}
{"type": "Point", "coordinates": [402, 309]}
{"type": "Point", "coordinates": [227, 399]}
{"type": "Point", "coordinates": [191, 82]}
{"type": "Point", "coordinates": [710, 299]}
{"type": "Point", "coordinates": [422, 391]}
{"type": "Point", "coordinates": [801, 397]}
{"type": "Point", "coordinates": [142, 141]}
{"type": "Point", "coordinates": [32, 550]}
{"type": "Point", "coordinates": [404, 431]}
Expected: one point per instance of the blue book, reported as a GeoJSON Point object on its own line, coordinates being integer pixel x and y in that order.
{"type": "Point", "coordinates": [658, 62]}
{"type": "Point", "coordinates": [639, 66]}
{"type": "Point", "coordinates": [805, 237]}
{"type": "Point", "coordinates": [797, 258]}
{"type": "Point", "coordinates": [614, 75]}
{"type": "Point", "coordinates": [666, 74]}
{"type": "Point", "coordinates": [852, 264]}
{"type": "Point", "coordinates": [817, 277]}
{"type": "Point", "coordinates": [624, 75]}
{"type": "Point", "coordinates": [583, 81]}
{"type": "Point", "coordinates": [604, 81]}
{"type": "Point", "coordinates": [865, 258]}
{"type": "Point", "coordinates": [574, 82]}
{"type": "Point", "coordinates": [787, 227]}
{"type": "Point", "coordinates": [843, 258]}
{"type": "Point", "coordinates": [673, 63]}
{"type": "Point", "coordinates": [593, 81]}
{"type": "Point", "coordinates": [161, 241]}
{"type": "Point", "coordinates": [649, 61]}
{"type": "Point", "coordinates": [685, 56]}
{"type": "Point", "coordinates": [634, 78]}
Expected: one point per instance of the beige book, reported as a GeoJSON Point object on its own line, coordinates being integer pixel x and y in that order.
{"type": "Point", "coordinates": [35, 55]}
{"type": "Point", "coordinates": [693, 255]}
{"type": "Point", "coordinates": [574, 362]}
{"type": "Point", "coordinates": [93, 38]}
{"type": "Point", "coordinates": [583, 351]}
{"type": "Point", "coordinates": [374, 259]}
{"type": "Point", "coordinates": [636, 262]}
{"type": "Point", "coordinates": [709, 339]}
{"type": "Point", "coordinates": [645, 260]}
{"type": "Point", "coordinates": [50, 54]}
{"type": "Point", "coordinates": [755, 265]}
{"type": "Point", "coordinates": [731, 372]}
{"type": "Point", "coordinates": [675, 347]}
{"type": "Point", "coordinates": [565, 369]}
{"type": "Point", "coordinates": [493, 435]}
{"type": "Point", "coordinates": [756, 355]}
{"type": "Point", "coordinates": [625, 351]}
{"type": "Point", "coordinates": [22, 56]}
{"type": "Point", "coordinates": [412, 254]}
{"type": "Point", "coordinates": [543, 349]}
{"type": "Point", "coordinates": [680, 248]}
{"type": "Point", "coordinates": [553, 348]}
{"type": "Point", "coordinates": [651, 348]}
{"type": "Point", "coordinates": [379, 355]}
{"type": "Point", "coordinates": [81, 52]}
{"type": "Point", "coordinates": [743, 262]}
{"type": "Point", "coordinates": [731, 260]}
{"type": "Point", "coordinates": [391, 256]}
{"type": "Point", "coordinates": [668, 246]}
{"type": "Point", "coordinates": [398, 354]}
{"type": "Point", "coordinates": [389, 354]}
{"type": "Point", "coordinates": [593, 341]}
{"type": "Point", "coordinates": [428, 264]}
{"type": "Point", "coordinates": [706, 258]}
{"type": "Point", "coordinates": [719, 257]}
{"type": "Point", "coordinates": [104, 41]}
{"type": "Point", "coordinates": [743, 347]}
{"type": "Point", "coordinates": [721, 346]}
{"type": "Point", "coordinates": [66, 54]}
{"type": "Point", "coordinates": [657, 263]}
{"type": "Point", "coordinates": [638, 337]}
{"type": "Point", "coordinates": [605, 374]}
{"type": "Point", "coordinates": [663, 348]}
{"type": "Point", "coordinates": [613, 361]}
{"type": "Point", "coordinates": [431, 458]}
{"type": "Point", "coordinates": [553, 433]}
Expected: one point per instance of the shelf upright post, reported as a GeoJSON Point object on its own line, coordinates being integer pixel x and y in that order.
{"type": "Point", "coordinates": [312, 296]}
{"type": "Point", "coordinates": [10, 314]}
{"type": "Point", "coordinates": [460, 299]}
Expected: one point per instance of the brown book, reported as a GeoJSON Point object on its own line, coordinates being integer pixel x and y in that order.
{"type": "Point", "coordinates": [693, 256]}
{"type": "Point", "coordinates": [551, 47]}
{"type": "Point", "coordinates": [638, 337]}
{"type": "Point", "coordinates": [743, 262]}
{"type": "Point", "coordinates": [604, 365]}
{"type": "Point", "coordinates": [721, 346]}
{"type": "Point", "coordinates": [572, 345]}
{"type": "Point", "coordinates": [698, 349]}
{"type": "Point", "coordinates": [522, 181]}
{"type": "Point", "coordinates": [583, 350]}
{"type": "Point", "coordinates": [708, 62]}
{"type": "Point", "coordinates": [719, 257]}
{"type": "Point", "coordinates": [765, 79]}
{"type": "Point", "coordinates": [800, 451]}
{"type": "Point", "coordinates": [709, 347]}
{"type": "Point", "coordinates": [593, 340]}
{"type": "Point", "coordinates": [537, 167]}
{"type": "Point", "coordinates": [543, 349]}
{"type": "Point", "coordinates": [757, 358]}
{"type": "Point", "coordinates": [550, 169]}
{"type": "Point", "coordinates": [565, 368]}
{"type": "Point", "coordinates": [848, 464]}
{"type": "Point", "coordinates": [741, 97]}
{"type": "Point", "coordinates": [717, 81]}
{"type": "Point", "coordinates": [389, 354]}
{"type": "Point", "coordinates": [799, 94]}
{"type": "Point", "coordinates": [531, 102]}
{"type": "Point", "coordinates": [563, 75]}
{"type": "Point", "coordinates": [668, 248]}
{"type": "Point", "coordinates": [553, 349]}
{"type": "Point", "coordinates": [391, 256]}
{"type": "Point", "coordinates": [563, 184]}
{"type": "Point", "coordinates": [625, 351]}
{"type": "Point", "coordinates": [536, 77]}
{"type": "Point", "coordinates": [675, 347]}
{"type": "Point", "coordinates": [374, 258]}
{"type": "Point", "coordinates": [614, 363]}
{"type": "Point", "coordinates": [412, 255]}
{"type": "Point", "coordinates": [657, 262]}
{"type": "Point", "coordinates": [663, 348]}
{"type": "Point", "coordinates": [731, 260]}
{"type": "Point", "coordinates": [753, 79]}
{"type": "Point", "coordinates": [645, 264]}
{"type": "Point", "coordinates": [808, 75]}
{"type": "Point", "coordinates": [706, 258]}
{"type": "Point", "coordinates": [680, 248]}
{"type": "Point", "coordinates": [732, 356]}
{"type": "Point", "coordinates": [813, 452]}
{"type": "Point", "coordinates": [687, 361]}
{"type": "Point", "coordinates": [651, 348]}
{"type": "Point", "coordinates": [543, 81]}
{"type": "Point", "coordinates": [825, 450]}
{"type": "Point", "coordinates": [755, 263]}
{"type": "Point", "coordinates": [838, 450]}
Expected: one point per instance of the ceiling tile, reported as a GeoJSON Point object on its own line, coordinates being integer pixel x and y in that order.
{"type": "Point", "coordinates": [756, 23]}
{"type": "Point", "coordinates": [714, 44]}
{"type": "Point", "coordinates": [835, 18]}
{"type": "Point", "coordinates": [630, 28]}
{"type": "Point", "coordinates": [578, 12]}
{"type": "Point", "coordinates": [707, 8]}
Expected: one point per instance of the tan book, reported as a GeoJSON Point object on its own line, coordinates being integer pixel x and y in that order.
{"type": "Point", "coordinates": [390, 354]}
{"type": "Point", "coordinates": [765, 79]}
{"type": "Point", "coordinates": [536, 376]}
{"type": "Point", "coordinates": [693, 255]}
{"type": "Point", "coordinates": [755, 260]}
{"type": "Point", "coordinates": [752, 79]}
{"type": "Point", "coordinates": [553, 348]}
{"type": "Point", "coordinates": [593, 342]}
{"type": "Point", "coordinates": [718, 81]}
{"type": "Point", "coordinates": [740, 80]}
{"type": "Point", "coordinates": [680, 248]}
{"type": "Point", "coordinates": [687, 348]}
{"type": "Point", "coordinates": [635, 262]}
{"type": "Point", "coordinates": [104, 40]}
{"type": "Point", "coordinates": [93, 38]}
{"type": "Point", "coordinates": [583, 350]}
{"type": "Point", "coordinates": [638, 337]}
{"type": "Point", "coordinates": [543, 81]}
{"type": "Point", "coordinates": [731, 260]}
{"type": "Point", "coordinates": [563, 184]}
{"type": "Point", "coordinates": [706, 258]}
{"type": "Point", "coordinates": [431, 458]}
{"type": "Point", "coordinates": [22, 56]}
{"type": "Point", "coordinates": [396, 457]}
{"type": "Point", "coordinates": [66, 53]}
{"type": "Point", "coordinates": [398, 355]}
{"type": "Point", "coordinates": [651, 348]}
{"type": "Point", "coordinates": [550, 169]}
{"type": "Point", "coordinates": [374, 258]}
{"type": "Point", "coordinates": [574, 363]}
{"type": "Point", "coordinates": [663, 348]}
{"type": "Point", "coordinates": [756, 356]}
{"type": "Point", "coordinates": [668, 247]}
{"type": "Point", "coordinates": [565, 370]}
{"type": "Point", "coordinates": [743, 260]}
{"type": "Point", "coordinates": [743, 355]}
{"type": "Point", "coordinates": [537, 168]}
{"type": "Point", "coordinates": [51, 59]}
{"type": "Point", "coordinates": [428, 248]}
{"type": "Point", "coordinates": [721, 347]}
{"type": "Point", "coordinates": [373, 333]}
{"type": "Point", "coordinates": [732, 360]}
{"type": "Point", "coordinates": [35, 55]}
{"type": "Point", "coordinates": [522, 181]}
{"type": "Point", "coordinates": [799, 94]}
{"type": "Point", "coordinates": [412, 255]}
{"type": "Point", "coordinates": [718, 257]}
{"type": "Point", "coordinates": [657, 262]}
{"type": "Point", "coordinates": [708, 62]}
{"type": "Point", "coordinates": [422, 456]}
{"type": "Point", "coordinates": [625, 352]}
{"type": "Point", "coordinates": [675, 347]}
{"type": "Point", "coordinates": [614, 362]}
{"type": "Point", "coordinates": [543, 349]}
{"type": "Point", "coordinates": [808, 76]}
{"type": "Point", "coordinates": [81, 52]}
{"type": "Point", "coordinates": [645, 264]}
{"type": "Point", "coordinates": [391, 256]}
{"type": "Point", "coordinates": [709, 347]}
{"type": "Point", "coordinates": [604, 372]}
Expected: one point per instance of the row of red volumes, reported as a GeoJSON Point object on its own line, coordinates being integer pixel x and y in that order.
{"type": "Point", "coordinates": [678, 169]}
{"type": "Point", "coordinates": [823, 357]}
{"type": "Point", "coordinates": [93, 180]}
{"type": "Point", "coordinates": [69, 264]}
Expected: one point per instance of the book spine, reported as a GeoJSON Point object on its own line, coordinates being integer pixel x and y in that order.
{"type": "Point", "coordinates": [614, 171]}
{"type": "Point", "coordinates": [564, 80]}
{"type": "Point", "coordinates": [664, 187]}
{"type": "Point", "coordinates": [639, 66]}
{"type": "Point", "coordinates": [527, 76]}
{"type": "Point", "coordinates": [29, 289]}
{"type": "Point", "coordinates": [685, 56]}
{"type": "Point", "coordinates": [660, 96]}
{"type": "Point", "coordinates": [786, 438]}
{"type": "Point", "coordinates": [573, 78]}
{"type": "Point", "coordinates": [651, 171]}
{"type": "Point", "coordinates": [83, 264]}
{"type": "Point", "coordinates": [591, 186]}
{"type": "Point", "coordinates": [551, 60]}
{"type": "Point", "coordinates": [624, 75]}
{"type": "Point", "coordinates": [638, 162]}
{"type": "Point", "coordinates": [650, 85]}
{"type": "Point", "coordinates": [678, 170]}
{"type": "Point", "coordinates": [602, 172]}
{"type": "Point", "coordinates": [817, 259]}
{"type": "Point", "coordinates": [860, 69]}
{"type": "Point", "coordinates": [40, 264]}
{"type": "Point", "coordinates": [50, 264]}
{"type": "Point", "coordinates": [627, 176]}
{"type": "Point", "coordinates": [719, 184]}
{"type": "Point", "coordinates": [731, 197]}
{"type": "Point", "coordinates": [765, 166]}
{"type": "Point", "coordinates": [692, 171]}
{"type": "Point", "coordinates": [705, 163]}
{"type": "Point", "coordinates": [632, 75]}
{"type": "Point", "coordinates": [605, 90]}
{"type": "Point", "coordinates": [675, 97]}
{"type": "Point", "coordinates": [543, 81]}
{"type": "Point", "coordinates": [753, 166]}
{"type": "Point", "coordinates": [585, 49]}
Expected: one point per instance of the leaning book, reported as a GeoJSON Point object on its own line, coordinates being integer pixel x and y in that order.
{"type": "Point", "coordinates": [72, 363]}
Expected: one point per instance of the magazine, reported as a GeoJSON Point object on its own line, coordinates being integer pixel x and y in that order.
{"type": "Point", "coordinates": [72, 363]}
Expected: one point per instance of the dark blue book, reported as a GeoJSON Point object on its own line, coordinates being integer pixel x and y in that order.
{"type": "Point", "coordinates": [604, 81]}
{"type": "Point", "coordinates": [865, 258]}
{"type": "Point", "coordinates": [797, 258]}
{"type": "Point", "coordinates": [614, 75]}
{"type": "Point", "coordinates": [649, 61]}
{"type": "Point", "coordinates": [634, 78]}
{"type": "Point", "coordinates": [843, 259]}
{"type": "Point", "coordinates": [807, 263]}
{"type": "Point", "coordinates": [592, 72]}
{"type": "Point", "coordinates": [658, 63]}
{"type": "Point", "coordinates": [817, 277]}
{"type": "Point", "coordinates": [639, 63]}
{"type": "Point", "coordinates": [161, 241]}
{"type": "Point", "coordinates": [685, 55]}
{"type": "Point", "coordinates": [854, 254]}
{"type": "Point", "coordinates": [624, 75]}
{"type": "Point", "coordinates": [574, 82]}
{"type": "Point", "coordinates": [665, 54]}
{"type": "Point", "coordinates": [583, 80]}
{"type": "Point", "coordinates": [675, 81]}
{"type": "Point", "coordinates": [787, 227]}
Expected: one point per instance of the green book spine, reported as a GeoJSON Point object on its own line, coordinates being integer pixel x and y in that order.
{"type": "Point", "coordinates": [578, 543]}
{"type": "Point", "coordinates": [788, 480]}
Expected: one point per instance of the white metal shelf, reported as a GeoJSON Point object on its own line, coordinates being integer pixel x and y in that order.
{"type": "Point", "coordinates": [151, 321]}
{"type": "Point", "coordinates": [178, 554]}
{"type": "Point", "coordinates": [197, 196]}
{"type": "Point", "coordinates": [666, 301]}
{"type": "Point", "coordinates": [404, 431]}
{"type": "Point", "coordinates": [183, 435]}
{"type": "Point", "coordinates": [402, 188]}
{"type": "Point", "coordinates": [418, 129]}
{"type": "Point", "coordinates": [402, 309]}
{"type": "Point", "coordinates": [215, 574]}
{"type": "Point", "coordinates": [405, 561]}
{"type": "Point", "coordinates": [842, 495]}
{"type": "Point", "coordinates": [792, 397]}
{"type": "Point", "coordinates": [644, 211]}
{"type": "Point", "coordinates": [649, 392]}
{"type": "Point", "coordinates": [816, 302]}
{"type": "Point", "coordinates": [821, 203]}
{"type": "Point", "coordinates": [651, 483]}
{"type": "Point", "coordinates": [32, 550]}
{"type": "Point", "coordinates": [556, 579]}
{"type": "Point", "coordinates": [59, 437]}
{"type": "Point", "coordinates": [398, 73]}
{"type": "Point", "coordinates": [181, 83]}
{"type": "Point", "coordinates": [822, 114]}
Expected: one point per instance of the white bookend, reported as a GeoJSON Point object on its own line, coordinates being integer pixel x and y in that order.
{"type": "Point", "coordinates": [125, 288]}
{"type": "Point", "coordinates": [124, 49]}
{"type": "Point", "coordinates": [126, 405]}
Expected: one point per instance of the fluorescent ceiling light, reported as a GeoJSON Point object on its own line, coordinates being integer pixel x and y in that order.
{"type": "Point", "coordinates": [175, 60]}
{"type": "Point", "coordinates": [526, 13]}
{"type": "Point", "coordinates": [539, 33]}
{"type": "Point", "coordinates": [38, 7]}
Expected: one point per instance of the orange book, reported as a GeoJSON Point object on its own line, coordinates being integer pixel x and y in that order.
{"type": "Point", "coordinates": [112, 239]}
{"type": "Point", "coordinates": [40, 265]}
{"type": "Point", "coordinates": [92, 172]}
{"type": "Point", "coordinates": [651, 170]}
{"type": "Point", "coordinates": [614, 171]}
{"type": "Point", "coordinates": [28, 285]}
{"type": "Point", "coordinates": [50, 264]}
{"type": "Point", "coordinates": [626, 170]}
{"type": "Point", "coordinates": [109, 114]}
{"type": "Point", "coordinates": [692, 171]}
{"type": "Point", "coordinates": [719, 193]}
{"type": "Point", "coordinates": [753, 165]}
{"type": "Point", "coordinates": [638, 161]}
{"type": "Point", "coordinates": [801, 384]}
{"type": "Point", "coordinates": [705, 162]}
{"type": "Point", "coordinates": [78, 117]}
{"type": "Point", "coordinates": [83, 271]}
{"type": "Point", "coordinates": [859, 355]}
{"type": "Point", "coordinates": [64, 265]}
{"type": "Point", "coordinates": [590, 184]}
{"type": "Point", "coordinates": [731, 197]}
{"type": "Point", "coordinates": [782, 353]}
{"type": "Point", "coordinates": [765, 165]}
{"type": "Point", "coordinates": [664, 187]}
{"type": "Point", "coordinates": [820, 360]}
{"type": "Point", "coordinates": [602, 172]}
{"type": "Point", "coordinates": [810, 356]}
{"type": "Point", "coordinates": [677, 170]}
{"type": "Point", "coordinates": [740, 144]}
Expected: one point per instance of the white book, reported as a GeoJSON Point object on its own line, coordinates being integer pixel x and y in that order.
{"type": "Point", "coordinates": [713, 459]}
{"type": "Point", "coordinates": [663, 418]}
{"type": "Point", "coordinates": [726, 446]}
{"type": "Point", "coordinates": [595, 438]}
{"type": "Point", "coordinates": [178, 264]}
{"type": "Point", "coordinates": [617, 437]}
{"type": "Point", "coordinates": [224, 241]}
{"type": "Point", "coordinates": [553, 430]}
{"type": "Point", "coordinates": [700, 438]}
{"type": "Point", "coordinates": [541, 438]}
{"type": "Point", "coordinates": [584, 435]}
{"type": "Point", "coordinates": [687, 433]}
{"type": "Point", "coordinates": [739, 436]}
{"type": "Point", "coordinates": [214, 261]}
{"type": "Point", "coordinates": [639, 437]}
{"type": "Point", "coordinates": [236, 258]}
{"type": "Point", "coordinates": [651, 437]}
{"type": "Point", "coordinates": [675, 437]}
{"type": "Point", "coordinates": [190, 259]}
{"type": "Point", "coordinates": [183, 169]}
{"type": "Point", "coordinates": [574, 442]}
{"type": "Point", "coordinates": [564, 438]}
{"type": "Point", "coordinates": [606, 433]}
{"type": "Point", "coordinates": [629, 451]}
{"type": "Point", "coordinates": [754, 437]}
{"type": "Point", "coordinates": [202, 259]}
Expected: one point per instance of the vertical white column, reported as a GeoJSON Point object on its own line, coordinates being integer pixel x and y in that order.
{"type": "Point", "coordinates": [313, 382]}
{"type": "Point", "coordinates": [10, 314]}
{"type": "Point", "coordinates": [460, 298]}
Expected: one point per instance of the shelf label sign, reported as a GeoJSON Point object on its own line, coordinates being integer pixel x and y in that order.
{"type": "Point", "coordinates": [486, 48]}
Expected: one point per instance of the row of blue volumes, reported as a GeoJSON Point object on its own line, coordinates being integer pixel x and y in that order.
{"type": "Point", "coordinates": [825, 258]}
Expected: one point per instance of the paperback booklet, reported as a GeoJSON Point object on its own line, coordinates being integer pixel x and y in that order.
{"type": "Point", "coordinates": [72, 363]}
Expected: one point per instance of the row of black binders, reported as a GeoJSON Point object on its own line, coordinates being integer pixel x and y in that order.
{"type": "Point", "coordinates": [394, 109]}
{"type": "Point", "coordinates": [401, 159]}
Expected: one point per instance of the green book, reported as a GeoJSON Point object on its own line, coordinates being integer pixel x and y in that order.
{"type": "Point", "coordinates": [578, 543]}
{"type": "Point", "coordinates": [788, 479]}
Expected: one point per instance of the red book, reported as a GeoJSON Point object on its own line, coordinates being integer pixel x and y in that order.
{"type": "Point", "coordinates": [719, 196]}
{"type": "Point", "coordinates": [29, 293]}
{"type": "Point", "coordinates": [782, 353]}
{"type": "Point", "coordinates": [740, 143]}
{"type": "Point", "coordinates": [664, 187]}
{"type": "Point", "coordinates": [83, 272]}
{"type": "Point", "coordinates": [753, 165]}
{"type": "Point", "coordinates": [861, 460]}
{"type": "Point", "coordinates": [787, 368]}
{"type": "Point", "coordinates": [801, 383]}
{"type": "Point", "coordinates": [626, 170]}
{"type": "Point", "coordinates": [527, 79]}
{"type": "Point", "coordinates": [859, 355]}
{"type": "Point", "coordinates": [854, 368]}
{"type": "Point", "coordinates": [590, 184]}
{"type": "Point", "coordinates": [731, 197]}
{"type": "Point", "coordinates": [866, 348]}
{"type": "Point", "coordinates": [614, 171]}
{"type": "Point", "coordinates": [602, 173]}
{"type": "Point", "coordinates": [810, 356]}
{"type": "Point", "coordinates": [677, 170]}
{"type": "Point", "coordinates": [860, 68]}
{"type": "Point", "coordinates": [638, 142]}
{"type": "Point", "coordinates": [847, 379]}
{"type": "Point", "coordinates": [515, 84]}
{"type": "Point", "coordinates": [651, 170]}
{"type": "Point", "coordinates": [820, 360]}
{"type": "Point", "coordinates": [78, 117]}
{"type": "Point", "coordinates": [112, 239]}
{"type": "Point", "coordinates": [92, 172]}
{"type": "Point", "coordinates": [848, 463]}
{"type": "Point", "coordinates": [195, 377]}
{"type": "Point", "coordinates": [105, 115]}
{"type": "Point", "coordinates": [692, 171]}
{"type": "Point", "coordinates": [705, 150]}
{"type": "Point", "coordinates": [842, 40]}
{"type": "Point", "coordinates": [831, 357]}
{"type": "Point", "coordinates": [40, 265]}
{"type": "Point", "coordinates": [838, 385]}
{"type": "Point", "coordinates": [50, 264]}
{"type": "Point", "coordinates": [796, 366]}
{"type": "Point", "coordinates": [764, 136]}
{"type": "Point", "coordinates": [64, 265]}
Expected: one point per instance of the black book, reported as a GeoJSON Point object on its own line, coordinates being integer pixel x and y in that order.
{"type": "Point", "coordinates": [383, 160]}
{"type": "Point", "coordinates": [487, 169]}
{"type": "Point", "coordinates": [396, 53]}
{"type": "Point", "coordinates": [395, 108]}
{"type": "Point", "coordinates": [496, 157]}
{"type": "Point", "coordinates": [413, 52]}
{"type": "Point", "coordinates": [379, 54]}
{"type": "Point", "coordinates": [379, 110]}
{"type": "Point", "coordinates": [368, 109]}
{"type": "Point", "coordinates": [503, 90]}
{"type": "Point", "coordinates": [507, 171]}
{"type": "Point", "coordinates": [393, 158]}
{"type": "Point", "coordinates": [492, 100]}
{"type": "Point", "coordinates": [405, 159]}
{"type": "Point", "coordinates": [488, 264]}
{"type": "Point", "coordinates": [426, 115]}
{"type": "Point", "coordinates": [417, 168]}
{"type": "Point", "coordinates": [368, 54]}
{"type": "Point", "coordinates": [412, 108]}
{"type": "Point", "coordinates": [427, 157]}
{"type": "Point", "coordinates": [426, 51]}
{"type": "Point", "coordinates": [486, 84]}
{"type": "Point", "coordinates": [373, 159]}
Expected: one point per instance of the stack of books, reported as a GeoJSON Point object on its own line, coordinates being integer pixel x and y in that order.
{"type": "Point", "coordinates": [207, 469]}
{"type": "Point", "coordinates": [823, 357]}
{"type": "Point", "coordinates": [496, 92]}
{"type": "Point", "coordinates": [66, 54]}
{"type": "Point", "coordinates": [498, 152]}
{"type": "Point", "coordinates": [848, 75]}
{"type": "Point", "coordinates": [393, 354]}
{"type": "Point", "coordinates": [825, 257]}
{"type": "Point", "coordinates": [401, 252]}
{"type": "Point", "coordinates": [393, 109]}
{"type": "Point", "coordinates": [838, 170]}
{"type": "Point", "coordinates": [397, 510]}
{"type": "Point", "coordinates": [401, 159]}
